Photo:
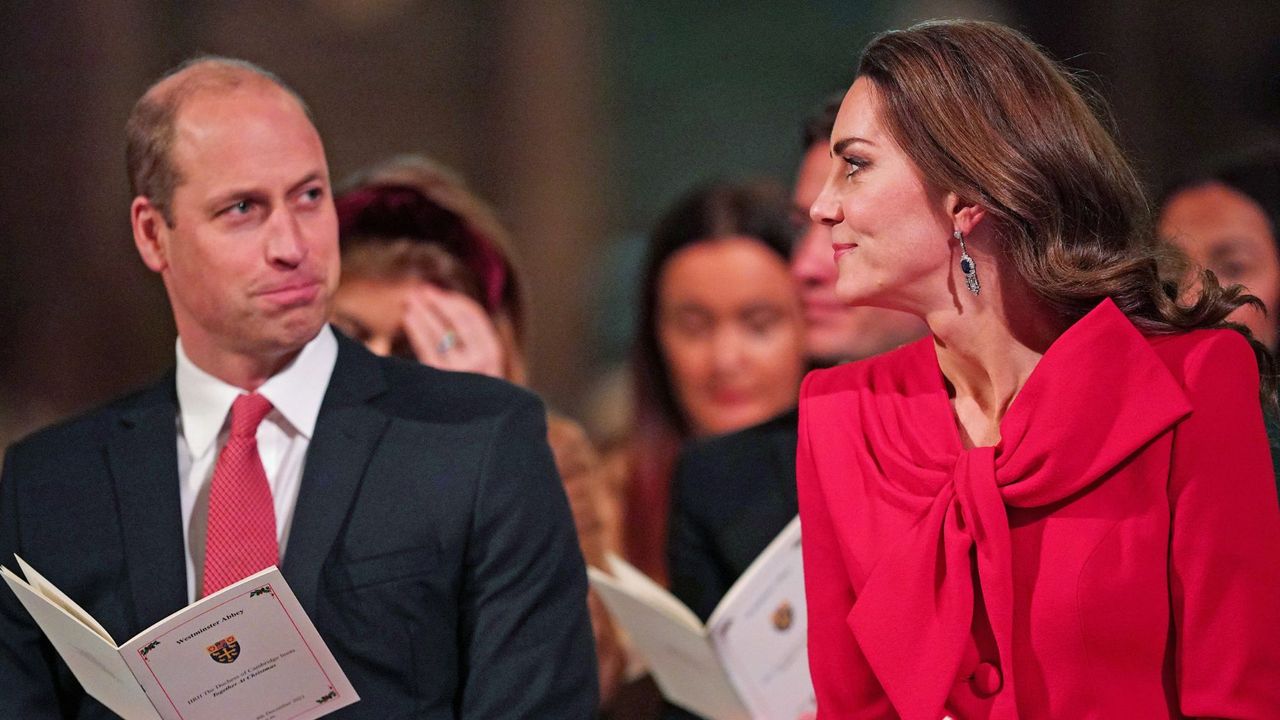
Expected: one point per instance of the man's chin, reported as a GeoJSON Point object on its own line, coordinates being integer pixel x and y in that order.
{"type": "Point", "coordinates": [292, 334]}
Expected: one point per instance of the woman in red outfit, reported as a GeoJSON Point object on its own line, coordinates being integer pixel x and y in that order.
{"type": "Point", "coordinates": [1060, 503]}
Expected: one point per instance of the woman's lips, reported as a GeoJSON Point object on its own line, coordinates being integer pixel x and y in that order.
{"type": "Point", "coordinates": [731, 397]}
{"type": "Point", "coordinates": [839, 249]}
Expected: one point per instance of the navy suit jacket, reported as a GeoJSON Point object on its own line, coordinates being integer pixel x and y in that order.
{"type": "Point", "coordinates": [730, 498]}
{"type": "Point", "coordinates": [431, 544]}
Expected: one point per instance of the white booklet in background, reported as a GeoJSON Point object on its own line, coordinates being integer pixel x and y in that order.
{"type": "Point", "coordinates": [248, 651]}
{"type": "Point", "coordinates": [750, 660]}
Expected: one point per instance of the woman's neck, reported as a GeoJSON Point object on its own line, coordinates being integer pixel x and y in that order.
{"type": "Point", "coordinates": [987, 347]}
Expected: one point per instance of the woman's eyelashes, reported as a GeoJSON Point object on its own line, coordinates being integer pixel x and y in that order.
{"type": "Point", "coordinates": [853, 164]}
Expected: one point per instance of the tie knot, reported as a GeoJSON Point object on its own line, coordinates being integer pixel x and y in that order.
{"type": "Point", "coordinates": [246, 414]}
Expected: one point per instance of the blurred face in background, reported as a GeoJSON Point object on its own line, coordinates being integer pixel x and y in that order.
{"type": "Point", "coordinates": [372, 310]}
{"type": "Point", "coordinates": [1225, 231]}
{"type": "Point", "coordinates": [835, 332]}
{"type": "Point", "coordinates": [730, 329]}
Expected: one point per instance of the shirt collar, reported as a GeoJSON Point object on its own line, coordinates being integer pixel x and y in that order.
{"type": "Point", "coordinates": [295, 392]}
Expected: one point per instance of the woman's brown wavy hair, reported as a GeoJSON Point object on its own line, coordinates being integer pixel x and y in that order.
{"type": "Point", "coordinates": [984, 113]}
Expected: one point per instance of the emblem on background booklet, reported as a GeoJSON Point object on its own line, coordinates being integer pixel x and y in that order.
{"type": "Point", "coordinates": [783, 616]}
{"type": "Point", "coordinates": [225, 651]}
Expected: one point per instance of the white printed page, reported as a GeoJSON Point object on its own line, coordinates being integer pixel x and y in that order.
{"type": "Point", "coordinates": [93, 659]}
{"type": "Point", "coordinates": [760, 633]}
{"type": "Point", "coordinates": [641, 587]}
{"type": "Point", "coordinates": [681, 659]}
{"type": "Point", "coordinates": [59, 598]}
{"type": "Point", "coordinates": [247, 651]}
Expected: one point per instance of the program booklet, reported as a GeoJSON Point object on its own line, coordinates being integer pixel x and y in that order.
{"type": "Point", "coordinates": [749, 661]}
{"type": "Point", "coordinates": [248, 652]}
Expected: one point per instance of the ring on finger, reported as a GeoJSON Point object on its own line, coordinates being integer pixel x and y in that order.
{"type": "Point", "coordinates": [448, 341]}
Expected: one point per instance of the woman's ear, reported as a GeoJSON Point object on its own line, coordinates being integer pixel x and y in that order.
{"type": "Point", "coordinates": [965, 215]}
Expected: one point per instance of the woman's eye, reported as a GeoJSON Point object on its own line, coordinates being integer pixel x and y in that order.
{"type": "Point", "coordinates": [693, 326]}
{"type": "Point", "coordinates": [853, 165]}
{"type": "Point", "coordinates": [762, 322]}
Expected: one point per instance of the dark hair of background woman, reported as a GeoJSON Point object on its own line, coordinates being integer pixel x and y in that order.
{"type": "Point", "coordinates": [983, 113]}
{"type": "Point", "coordinates": [714, 211]}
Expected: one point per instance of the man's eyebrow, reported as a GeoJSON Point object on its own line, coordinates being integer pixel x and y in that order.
{"type": "Point", "coordinates": [226, 198]}
{"type": "Point", "coordinates": [1227, 246]}
{"type": "Point", "coordinates": [310, 178]}
{"type": "Point", "coordinates": [844, 144]}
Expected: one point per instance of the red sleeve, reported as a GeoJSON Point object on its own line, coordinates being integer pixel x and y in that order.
{"type": "Point", "coordinates": [1225, 554]}
{"type": "Point", "coordinates": [842, 680]}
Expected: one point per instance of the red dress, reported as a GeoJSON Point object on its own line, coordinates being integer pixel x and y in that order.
{"type": "Point", "coordinates": [1115, 555]}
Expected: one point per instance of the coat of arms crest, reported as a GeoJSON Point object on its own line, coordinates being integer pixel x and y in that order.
{"type": "Point", "coordinates": [225, 651]}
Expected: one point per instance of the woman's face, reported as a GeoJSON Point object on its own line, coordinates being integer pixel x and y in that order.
{"type": "Point", "coordinates": [372, 310]}
{"type": "Point", "coordinates": [730, 328]}
{"type": "Point", "coordinates": [890, 231]}
{"type": "Point", "coordinates": [1225, 231]}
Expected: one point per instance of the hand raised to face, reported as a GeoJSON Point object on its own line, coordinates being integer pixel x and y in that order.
{"type": "Point", "coordinates": [450, 331]}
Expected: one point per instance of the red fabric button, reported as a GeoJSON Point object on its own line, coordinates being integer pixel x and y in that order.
{"type": "Point", "coordinates": [986, 679]}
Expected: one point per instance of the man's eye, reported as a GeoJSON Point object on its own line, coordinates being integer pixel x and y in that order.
{"type": "Point", "coordinates": [313, 194]}
{"type": "Point", "coordinates": [1231, 272]}
{"type": "Point", "coordinates": [240, 208]}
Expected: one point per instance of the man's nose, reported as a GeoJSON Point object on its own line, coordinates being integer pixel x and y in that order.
{"type": "Point", "coordinates": [287, 242]}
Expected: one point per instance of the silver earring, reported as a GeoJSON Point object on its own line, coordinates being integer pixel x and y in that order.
{"type": "Point", "coordinates": [967, 266]}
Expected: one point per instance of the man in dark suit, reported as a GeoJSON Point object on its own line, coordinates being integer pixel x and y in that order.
{"type": "Point", "coordinates": [733, 494]}
{"type": "Point", "coordinates": [415, 513]}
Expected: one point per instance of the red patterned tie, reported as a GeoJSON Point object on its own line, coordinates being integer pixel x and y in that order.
{"type": "Point", "coordinates": [242, 518]}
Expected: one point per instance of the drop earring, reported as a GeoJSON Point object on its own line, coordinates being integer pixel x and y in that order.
{"type": "Point", "coordinates": [967, 266]}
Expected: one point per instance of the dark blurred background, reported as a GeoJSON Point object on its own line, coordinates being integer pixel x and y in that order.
{"type": "Point", "coordinates": [579, 120]}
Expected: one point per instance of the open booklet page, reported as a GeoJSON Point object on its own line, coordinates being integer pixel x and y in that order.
{"type": "Point", "coordinates": [750, 661]}
{"type": "Point", "coordinates": [89, 652]}
{"type": "Point", "coordinates": [672, 641]}
{"type": "Point", "coordinates": [247, 651]}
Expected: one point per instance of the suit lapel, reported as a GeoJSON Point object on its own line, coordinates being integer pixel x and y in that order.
{"type": "Point", "coordinates": [143, 457]}
{"type": "Point", "coordinates": [347, 431]}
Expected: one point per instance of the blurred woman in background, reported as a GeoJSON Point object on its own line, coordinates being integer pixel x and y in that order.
{"type": "Point", "coordinates": [719, 345]}
{"type": "Point", "coordinates": [427, 275]}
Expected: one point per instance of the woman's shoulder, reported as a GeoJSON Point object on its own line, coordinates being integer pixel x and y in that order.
{"type": "Point", "coordinates": [1219, 351]}
{"type": "Point", "coordinates": [888, 368]}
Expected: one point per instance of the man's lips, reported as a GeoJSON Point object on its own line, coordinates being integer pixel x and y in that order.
{"type": "Point", "coordinates": [824, 312]}
{"type": "Point", "coordinates": [293, 293]}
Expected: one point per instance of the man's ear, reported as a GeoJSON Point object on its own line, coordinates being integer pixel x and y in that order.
{"type": "Point", "coordinates": [150, 233]}
{"type": "Point", "coordinates": [965, 215]}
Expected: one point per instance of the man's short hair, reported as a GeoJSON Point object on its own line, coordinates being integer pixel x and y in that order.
{"type": "Point", "coordinates": [817, 127]}
{"type": "Point", "coordinates": [149, 131]}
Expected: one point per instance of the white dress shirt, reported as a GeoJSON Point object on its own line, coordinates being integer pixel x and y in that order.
{"type": "Point", "coordinates": [204, 406]}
